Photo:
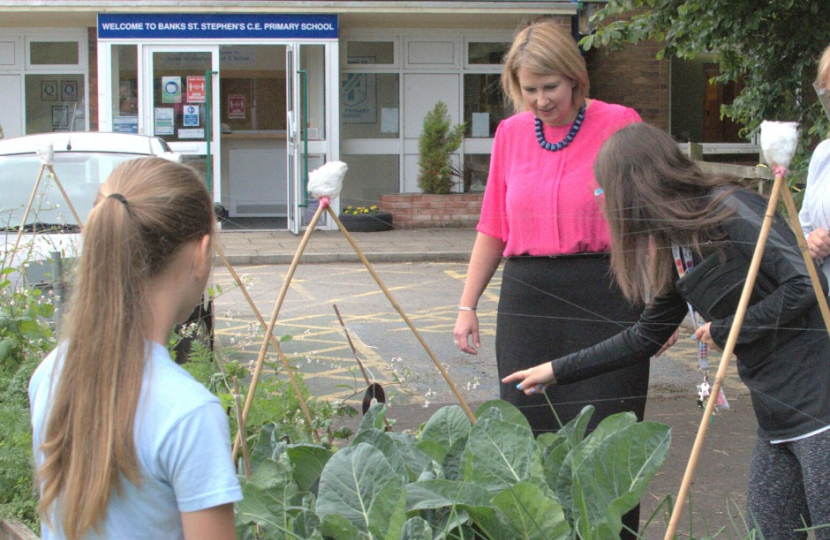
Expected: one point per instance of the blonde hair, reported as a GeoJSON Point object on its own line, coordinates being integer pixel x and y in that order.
{"type": "Point", "coordinates": [544, 48]}
{"type": "Point", "coordinates": [145, 211]}
{"type": "Point", "coordinates": [823, 74]}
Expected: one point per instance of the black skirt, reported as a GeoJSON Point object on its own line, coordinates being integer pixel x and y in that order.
{"type": "Point", "coordinates": [550, 307]}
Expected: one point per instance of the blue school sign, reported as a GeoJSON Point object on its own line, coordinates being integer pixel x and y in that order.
{"type": "Point", "coordinates": [137, 26]}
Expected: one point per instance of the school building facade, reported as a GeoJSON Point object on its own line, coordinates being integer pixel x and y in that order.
{"type": "Point", "coordinates": [256, 93]}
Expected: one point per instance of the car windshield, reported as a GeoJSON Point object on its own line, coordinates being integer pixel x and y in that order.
{"type": "Point", "coordinates": [80, 174]}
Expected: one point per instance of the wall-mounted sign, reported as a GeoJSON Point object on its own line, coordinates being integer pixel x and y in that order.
{"type": "Point", "coordinates": [171, 89]}
{"type": "Point", "coordinates": [236, 106]}
{"type": "Point", "coordinates": [190, 115]}
{"type": "Point", "coordinates": [196, 89]}
{"type": "Point", "coordinates": [135, 26]}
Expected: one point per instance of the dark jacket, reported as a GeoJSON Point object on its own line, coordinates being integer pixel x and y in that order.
{"type": "Point", "coordinates": [783, 348]}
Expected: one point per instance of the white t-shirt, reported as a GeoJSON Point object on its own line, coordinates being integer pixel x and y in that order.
{"type": "Point", "coordinates": [815, 210]}
{"type": "Point", "coordinates": [183, 451]}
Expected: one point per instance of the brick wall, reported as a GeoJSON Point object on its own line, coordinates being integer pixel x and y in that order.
{"type": "Point", "coordinates": [93, 78]}
{"type": "Point", "coordinates": [632, 77]}
{"type": "Point", "coordinates": [419, 211]}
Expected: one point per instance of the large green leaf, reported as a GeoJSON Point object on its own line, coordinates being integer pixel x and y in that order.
{"type": "Point", "coordinates": [432, 494]}
{"type": "Point", "coordinates": [416, 528]}
{"type": "Point", "coordinates": [611, 478]}
{"type": "Point", "coordinates": [375, 418]}
{"type": "Point", "coordinates": [500, 454]}
{"type": "Point", "coordinates": [339, 528]}
{"type": "Point", "coordinates": [608, 427]}
{"type": "Point", "coordinates": [268, 498]}
{"type": "Point", "coordinates": [385, 444]}
{"type": "Point", "coordinates": [443, 429]}
{"type": "Point", "coordinates": [358, 484]}
{"type": "Point", "coordinates": [305, 524]}
{"type": "Point", "coordinates": [308, 461]}
{"type": "Point", "coordinates": [415, 461]}
{"type": "Point", "coordinates": [530, 514]}
{"type": "Point", "coordinates": [509, 412]}
{"type": "Point", "coordinates": [575, 429]}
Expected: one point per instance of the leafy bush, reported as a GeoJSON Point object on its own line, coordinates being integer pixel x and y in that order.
{"type": "Point", "coordinates": [25, 338]}
{"type": "Point", "coordinates": [436, 143]}
{"type": "Point", "coordinates": [455, 480]}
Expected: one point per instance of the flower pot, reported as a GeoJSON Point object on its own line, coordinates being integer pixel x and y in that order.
{"type": "Point", "coordinates": [371, 222]}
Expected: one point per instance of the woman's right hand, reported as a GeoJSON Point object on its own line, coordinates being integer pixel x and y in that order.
{"type": "Point", "coordinates": [466, 326]}
{"type": "Point", "coordinates": [819, 243]}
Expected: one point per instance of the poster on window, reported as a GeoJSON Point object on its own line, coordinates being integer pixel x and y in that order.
{"type": "Point", "coordinates": [60, 116]}
{"type": "Point", "coordinates": [48, 90]}
{"type": "Point", "coordinates": [163, 121]}
{"type": "Point", "coordinates": [359, 98]}
{"type": "Point", "coordinates": [236, 106]}
{"type": "Point", "coordinates": [171, 89]}
{"type": "Point", "coordinates": [196, 89]}
{"type": "Point", "coordinates": [69, 90]}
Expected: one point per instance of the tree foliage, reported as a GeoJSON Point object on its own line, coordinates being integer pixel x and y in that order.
{"type": "Point", "coordinates": [772, 47]}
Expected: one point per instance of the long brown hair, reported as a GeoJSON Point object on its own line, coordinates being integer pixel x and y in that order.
{"type": "Point", "coordinates": [544, 48]}
{"type": "Point", "coordinates": [145, 211]}
{"type": "Point", "coordinates": [654, 196]}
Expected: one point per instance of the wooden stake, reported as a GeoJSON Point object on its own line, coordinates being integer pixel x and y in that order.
{"type": "Point", "coordinates": [270, 328]}
{"type": "Point", "coordinates": [805, 251]}
{"type": "Point", "coordinates": [400, 311]}
{"type": "Point", "coordinates": [241, 421]}
{"type": "Point", "coordinates": [357, 358]}
{"type": "Point", "coordinates": [754, 265]}
{"type": "Point", "coordinates": [274, 341]}
{"type": "Point", "coordinates": [66, 197]}
{"type": "Point", "coordinates": [28, 209]}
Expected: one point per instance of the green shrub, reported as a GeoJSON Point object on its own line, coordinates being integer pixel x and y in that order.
{"type": "Point", "coordinates": [435, 145]}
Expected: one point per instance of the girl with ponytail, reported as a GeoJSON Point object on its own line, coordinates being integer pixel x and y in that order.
{"type": "Point", "coordinates": [128, 444]}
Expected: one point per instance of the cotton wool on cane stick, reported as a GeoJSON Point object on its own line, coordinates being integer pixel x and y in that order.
{"type": "Point", "coordinates": [778, 142]}
{"type": "Point", "coordinates": [327, 181]}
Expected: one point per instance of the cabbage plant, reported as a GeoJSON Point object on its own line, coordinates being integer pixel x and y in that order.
{"type": "Point", "coordinates": [492, 480]}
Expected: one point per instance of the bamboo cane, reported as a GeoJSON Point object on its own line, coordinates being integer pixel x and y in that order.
{"type": "Point", "coordinates": [400, 311]}
{"type": "Point", "coordinates": [66, 197]}
{"type": "Point", "coordinates": [357, 358]}
{"type": "Point", "coordinates": [274, 341]}
{"type": "Point", "coordinates": [261, 358]}
{"type": "Point", "coordinates": [241, 421]}
{"type": "Point", "coordinates": [28, 209]}
{"type": "Point", "coordinates": [805, 251]}
{"type": "Point", "coordinates": [754, 266]}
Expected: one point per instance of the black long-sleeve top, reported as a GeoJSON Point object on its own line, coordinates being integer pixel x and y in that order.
{"type": "Point", "coordinates": [783, 348]}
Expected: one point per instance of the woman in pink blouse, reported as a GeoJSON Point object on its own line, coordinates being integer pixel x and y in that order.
{"type": "Point", "coordinates": [541, 215]}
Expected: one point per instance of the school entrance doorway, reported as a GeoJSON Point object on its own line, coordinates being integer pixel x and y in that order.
{"type": "Point", "coordinates": [253, 117]}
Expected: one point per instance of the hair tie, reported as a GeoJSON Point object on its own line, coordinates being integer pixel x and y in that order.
{"type": "Point", "coordinates": [118, 197]}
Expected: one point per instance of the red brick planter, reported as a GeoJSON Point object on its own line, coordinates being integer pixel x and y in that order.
{"type": "Point", "coordinates": [419, 211]}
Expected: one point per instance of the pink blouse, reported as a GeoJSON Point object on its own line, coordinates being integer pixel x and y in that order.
{"type": "Point", "coordinates": [541, 202]}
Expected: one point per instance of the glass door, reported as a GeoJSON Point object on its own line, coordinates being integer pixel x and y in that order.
{"type": "Point", "coordinates": [293, 136]}
{"type": "Point", "coordinates": [307, 107]}
{"type": "Point", "coordinates": [182, 105]}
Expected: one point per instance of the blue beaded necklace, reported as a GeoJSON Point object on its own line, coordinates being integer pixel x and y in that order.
{"type": "Point", "coordinates": [540, 135]}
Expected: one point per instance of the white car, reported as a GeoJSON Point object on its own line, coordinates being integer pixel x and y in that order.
{"type": "Point", "coordinates": [81, 162]}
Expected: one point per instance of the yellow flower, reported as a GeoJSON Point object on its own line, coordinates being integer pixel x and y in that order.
{"type": "Point", "coordinates": [373, 207]}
